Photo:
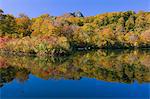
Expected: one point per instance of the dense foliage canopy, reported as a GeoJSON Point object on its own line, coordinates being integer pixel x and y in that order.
{"type": "Point", "coordinates": [46, 33]}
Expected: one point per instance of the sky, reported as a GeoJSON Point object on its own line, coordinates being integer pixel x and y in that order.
{"type": "Point", "coordinates": [34, 8]}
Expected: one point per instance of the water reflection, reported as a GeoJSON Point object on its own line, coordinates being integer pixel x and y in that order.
{"type": "Point", "coordinates": [112, 66]}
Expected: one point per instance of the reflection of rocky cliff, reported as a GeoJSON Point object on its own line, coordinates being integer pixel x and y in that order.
{"type": "Point", "coordinates": [124, 66]}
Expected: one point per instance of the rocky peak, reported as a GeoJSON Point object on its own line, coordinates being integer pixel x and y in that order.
{"type": "Point", "coordinates": [74, 14]}
{"type": "Point", "coordinates": [77, 14]}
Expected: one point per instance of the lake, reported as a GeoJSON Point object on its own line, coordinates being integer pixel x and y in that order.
{"type": "Point", "coordinates": [96, 74]}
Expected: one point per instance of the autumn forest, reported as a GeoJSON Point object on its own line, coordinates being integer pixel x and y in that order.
{"type": "Point", "coordinates": [60, 35]}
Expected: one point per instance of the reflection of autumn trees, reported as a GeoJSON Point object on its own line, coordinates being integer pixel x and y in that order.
{"type": "Point", "coordinates": [114, 66]}
{"type": "Point", "coordinates": [10, 73]}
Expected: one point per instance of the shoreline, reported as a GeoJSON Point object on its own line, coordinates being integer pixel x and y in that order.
{"type": "Point", "coordinates": [70, 52]}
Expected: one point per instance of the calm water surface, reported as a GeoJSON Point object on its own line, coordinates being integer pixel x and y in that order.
{"type": "Point", "coordinates": [101, 74]}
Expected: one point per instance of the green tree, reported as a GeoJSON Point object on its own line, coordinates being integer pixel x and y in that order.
{"type": "Point", "coordinates": [7, 25]}
{"type": "Point", "coordinates": [130, 23]}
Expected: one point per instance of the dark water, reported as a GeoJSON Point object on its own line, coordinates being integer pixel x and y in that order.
{"type": "Point", "coordinates": [100, 74]}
